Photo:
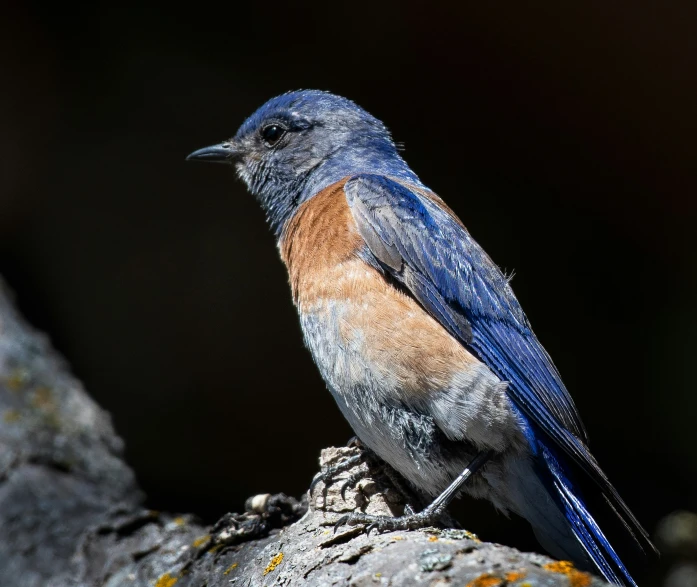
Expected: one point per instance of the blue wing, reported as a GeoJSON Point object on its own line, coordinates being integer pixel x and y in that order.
{"type": "Point", "coordinates": [426, 248]}
{"type": "Point", "coordinates": [417, 240]}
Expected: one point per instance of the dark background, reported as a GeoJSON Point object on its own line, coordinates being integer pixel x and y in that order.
{"type": "Point", "coordinates": [564, 138]}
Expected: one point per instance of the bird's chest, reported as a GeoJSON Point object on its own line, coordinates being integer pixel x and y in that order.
{"type": "Point", "coordinates": [361, 330]}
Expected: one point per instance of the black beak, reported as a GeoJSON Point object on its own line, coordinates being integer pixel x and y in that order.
{"type": "Point", "coordinates": [222, 153]}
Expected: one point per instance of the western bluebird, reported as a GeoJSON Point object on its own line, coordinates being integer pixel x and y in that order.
{"type": "Point", "coordinates": [418, 334]}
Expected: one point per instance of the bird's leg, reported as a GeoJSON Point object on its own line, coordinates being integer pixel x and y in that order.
{"type": "Point", "coordinates": [425, 518]}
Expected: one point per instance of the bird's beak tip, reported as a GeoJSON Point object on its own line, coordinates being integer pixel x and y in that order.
{"type": "Point", "coordinates": [221, 153]}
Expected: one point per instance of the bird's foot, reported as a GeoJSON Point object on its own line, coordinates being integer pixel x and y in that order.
{"type": "Point", "coordinates": [329, 475]}
{"type": "Point", "coordinates": [353, 480]}
{"type": "Point", "coordinates": [409, 521]}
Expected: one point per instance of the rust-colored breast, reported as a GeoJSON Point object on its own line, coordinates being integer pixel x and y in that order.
{"type": "Point", "coordinates": [317, 244]}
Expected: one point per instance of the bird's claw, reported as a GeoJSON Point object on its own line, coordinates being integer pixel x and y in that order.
{"type": "Point", "coordinates": [315, 480]}
{"type": "Point", "coordinates": [355, 442]}
{"type": "Point", "coordinates": [340, 522]}
{"type": "Point", "coordinates": [351, 481]}
{"type": "Point", "coordinates": [409, 521]}
{"type": "Point", "coordinates": [334, 470]}
{"type": "Point", "coordinates": [357, 518]}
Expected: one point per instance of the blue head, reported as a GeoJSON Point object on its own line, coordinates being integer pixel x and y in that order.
{"type": "Point", "coordinates": [300, 142]}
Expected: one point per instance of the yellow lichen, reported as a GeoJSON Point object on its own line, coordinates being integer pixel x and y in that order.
{"type": "Point", "coordinates": [17, 379]}
{"type": "Point", "coordinates": [11, 416]}
{"type": "Point", "coordinates": [43, 399]}
{"type": "Point", "coordinates": [166, 580]}
{"type": "Point", "coordinates": [486, 580]}
{"type": "Point", "coordinates": [275, 561]}
{"type": "Point", "coordinates": [563, 567]}
{"type": "Point", "coordinates": [433, 538]}
{"type": "Point", "coordinates": [231, 568]}
{"type": "Point", "coordinates": [472, 536]}
{"type": "Point", "coordinates": [579, 579]}
{"type": "Point", "coordinates": [515, 576]}
{"type": "Point", "coordinates": [179, 521]}
{"type": "Point", "coordinates": [201, 540]}
{"type": "Point", "coordinates": [576, 578]}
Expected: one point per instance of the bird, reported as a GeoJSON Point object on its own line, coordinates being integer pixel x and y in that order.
{"type": "Point", "coordinates": [417, 332]}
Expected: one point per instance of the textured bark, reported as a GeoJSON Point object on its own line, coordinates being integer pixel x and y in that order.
{"type": "Point", "coordinates": [71, 513]}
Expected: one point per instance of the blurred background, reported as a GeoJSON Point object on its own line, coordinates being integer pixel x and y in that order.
{"type": "Point", "coordinates": [564, 137]}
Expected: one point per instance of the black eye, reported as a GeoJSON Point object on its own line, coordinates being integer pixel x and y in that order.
{"type": "Point", "coordinates": [272, 134]}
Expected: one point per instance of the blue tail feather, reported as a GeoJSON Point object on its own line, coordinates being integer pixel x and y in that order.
{"type": "Point", "coordinates": [584, 526]}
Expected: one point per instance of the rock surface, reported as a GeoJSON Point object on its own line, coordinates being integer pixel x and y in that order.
{"type": "Point", "coordinates": [71, 512]}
